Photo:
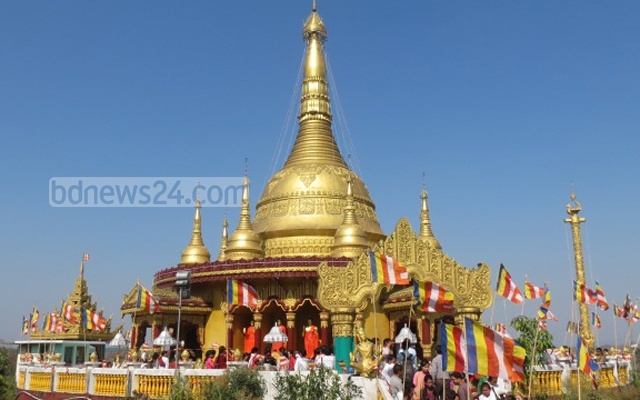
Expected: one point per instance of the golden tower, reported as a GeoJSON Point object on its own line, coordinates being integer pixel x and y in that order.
{"type": "Point", "coordinates": [573, 209]}
{"type": "Point", "coordinates": [244, 243]}
{"type": "Point", "coordinates": [301, 206]}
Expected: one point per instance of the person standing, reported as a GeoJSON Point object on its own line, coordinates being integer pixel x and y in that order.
{"type": "Point", "coordinates": [209, 363]}
{"type": "Point", "coordinates": [438, 374]}
{"type": "Point", "coordinates": [222, 358]}
{"type": "Point", "coordinates": [458, 379]}
{"type": "Point", "coordinates": [311, 339]}
{"type": "Point", "coordinates": [249, 337]}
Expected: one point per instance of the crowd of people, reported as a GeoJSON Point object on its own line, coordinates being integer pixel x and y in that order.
{"type": "Point", "coordinates": [411, 378]}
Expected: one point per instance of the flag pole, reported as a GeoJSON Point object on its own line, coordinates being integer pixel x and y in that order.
{"type": "Point", "coordinates": [533, 354]}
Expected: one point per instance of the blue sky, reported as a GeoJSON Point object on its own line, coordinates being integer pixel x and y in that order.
{"type": "Point", "coordinates": [502, 104]}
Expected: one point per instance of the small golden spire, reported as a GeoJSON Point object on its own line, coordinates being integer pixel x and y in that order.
{"type": "Point", "coordinates": [425, 221]}
{"type": "Point", "coordinates": [350, 240]}
{"type": "Point", "coordinates": [196, 252]}
{"type": "Point", "coordinates": [225, 239]}
{"type": "Point", "coordinates": [244, 243]}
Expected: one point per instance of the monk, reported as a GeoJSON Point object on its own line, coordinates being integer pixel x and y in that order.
{"type": "Point", "coordinates": [276, 346]}
{"type": "Point", "coordinates": [249, 337]}
{"type": "Point", "coordinates": [311, 340]}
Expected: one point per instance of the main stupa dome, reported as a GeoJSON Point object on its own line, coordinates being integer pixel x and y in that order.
{"type": "Point", "coordinates": [302, 204]}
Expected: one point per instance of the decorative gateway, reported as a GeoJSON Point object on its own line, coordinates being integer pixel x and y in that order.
{"type": "Point", "coordinates": [306, 255]}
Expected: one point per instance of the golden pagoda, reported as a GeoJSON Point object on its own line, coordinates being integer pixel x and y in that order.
{"type": "Point", "coordinates": [306, 252]}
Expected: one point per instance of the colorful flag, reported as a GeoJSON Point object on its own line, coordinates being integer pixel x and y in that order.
{"type": "Point", "coordinates": [545, 313]}
{"type": "Point", "coordinates": [595, 320]}
{"type": "Point", "coordinates": [626, 307]}
{"type": "Point", "coordinates": [542, 325]}
{"type": "Point", "coordinates": [93, 321]}
{"type": "Point", "coordinates": [572, 327]}
{"type": "Point", "coordinates": [617, 311]}
{"type": "Point", "coordinates": [147, 301]}
{"type": "Point", "coordinates": [585, 363]}
{"type": "Point", "coordinates": [601, 301]}
{"type": "Point", "coordinates": [50, 322]}
{"type": "Point", "coordinates": [385, 269]}
{"type": "Point", "coordinates": [35, 316]}
{"type": "Point", "coordinates": [70, 313]}
{"type": "Point", "coordinates": [502, 329]}
{"type": "Point", "coordinates": [493, 354]}
{"type": "Point", "coordinates": [433, 297]}
{"type": "Point", "coordinates": [547, 297]}
{"type": "Point", "coordinates": [241, 293]}
{"type": "Point", "coordinates": [25, 324]}
{"type": "Point", "coordinates": [532, 291]}
{"type": "Point", "coordinates": [85, 257]}
{"type": "Point", "coordinates": [453, 348]}
{"type": "Point", "coordinates": [507, 288]}
{"type": "Point", "coordinates": [582, 294]}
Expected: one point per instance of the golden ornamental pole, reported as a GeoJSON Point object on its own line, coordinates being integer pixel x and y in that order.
{"type": "Point", "coordinates": [574, 220]}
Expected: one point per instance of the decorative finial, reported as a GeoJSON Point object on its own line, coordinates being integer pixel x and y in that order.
{"type": "Point", "coordinates": [313, 6]}
{"type": "Point", "coordinates": [425, 221]}
{"type": "Point", "coordinates": [244, 243]}
{"type": "Point", "coordinates": [196, 252]}
{"type": "Point", "coordinates": [350, 239]}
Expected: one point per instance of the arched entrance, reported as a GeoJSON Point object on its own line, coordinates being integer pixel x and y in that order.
{"type": "Point", "coordinates": [307, 310]}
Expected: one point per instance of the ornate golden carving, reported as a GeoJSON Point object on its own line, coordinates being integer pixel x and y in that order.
{"type": "Point", "coordinates": [364, 358]}
{"type": "Point", "coordinates": [342, 322]}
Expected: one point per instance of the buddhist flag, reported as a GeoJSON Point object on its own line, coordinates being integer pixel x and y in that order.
{"type": "Point", "coordinates": [86, 257]}
{"type": "Point", "coordinates": [502, 329]}
{"type": "Point", "coordinates": [595, 320]}
{"type": "Point", "coordinates": [147, 301]}
{"type": "Point", "coordinates": [35, 316]}
{"type": "Point", "coordinates": [492, 354]}
{"type": "Point", "coordinates": [25, 324]}
{"type": "Point", "coordinates": [572, 327]}
{"type": "Point", "coordinates": [70, 313]}
{"type": "Point", "coordinates": [542, 325]}
{"type": "Point", "coordinates": [433, 297]}
{"type": "Point", "coordinates": [546, 303]}
{"type": "Point", "coordinates": [545, 313]}
{"type": "Point", "coordinates": [507, 288]}
{"type": "Point", "coordinates": [582, 294]}
{"type": "Point", "coordinates": [50, 322]}
{"type": "Point", "coordinates": [385, 269]}
{"type": "Point", "coordinates": [93, 321]}
{"type": "Point", "coordinates": [241, 293]}
{"type": "Point", "coordinates": [532, 291]}
{"type": "Point", "coordinates": [585, 363]}
{"type": "Point", "coordinates": [454, 348]}
{"type": "Point", "coordinates": [601, 301]}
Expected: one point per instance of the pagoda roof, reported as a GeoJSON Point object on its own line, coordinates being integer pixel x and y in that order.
{"type": "Point", "coordinates": [258, 268]}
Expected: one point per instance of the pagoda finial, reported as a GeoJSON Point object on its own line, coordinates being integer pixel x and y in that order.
{"type": "Point", "coordinates": [315, 142]}
{"type": "Point", "coordinates": [350, 239]}
{"type": "Point", "coordinates": [222, 256]}
{"type": "Point", "coordinates": [196, 252]}
{"type": "Point", "coordinates": [425, 221]}
{"type": "Point", "coordinates": [244, 243]}
{"type": "Point", "coordinates": [313, 6]}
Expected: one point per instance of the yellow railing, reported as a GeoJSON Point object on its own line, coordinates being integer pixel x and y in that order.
{"type": "Point", "coordinates": [71, 382]}
{"type": "Point", "coordinates": [40, 381]}
{"type": "Point", "coordinates": [110, 385]}
{"type": "Point", "coordinates": [154, 386]}
{"type": "Point", "coordinates": [197, 383]}
{"type": "Point", "coordinates": [22, 377]}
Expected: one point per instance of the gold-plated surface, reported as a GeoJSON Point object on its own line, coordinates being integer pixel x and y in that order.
{"type": "Point", "coordinates": [350, 240]}
{"type": "Point", "coordinates": [196, 252]}
{"type": "Point", "coordinates": [80, 298]}
{"type": "Point", "coordinates": [425, 221]}
{"type": "Point", "coordinates": [224, 241]}
{"type": "Point", "coordinates": [300, 208]}
{"type": "Point", "coordinates": [573, 209]}
{"type": "Point", "coordinates": [244, 243]}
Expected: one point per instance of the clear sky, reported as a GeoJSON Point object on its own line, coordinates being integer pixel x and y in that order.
{"type": "Point", "coordinates": [502, 104]}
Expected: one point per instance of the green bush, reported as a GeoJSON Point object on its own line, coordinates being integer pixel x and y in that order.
{"type": "Point", "coordinates": [7, 375]}
{"type": "Point", "coordinates": [320, 383]}
{"type": "Point", "coordinates": [236, 384]}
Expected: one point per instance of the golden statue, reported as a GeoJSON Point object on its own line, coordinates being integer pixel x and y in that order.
{"type": "Point", "coordinates": [364, 358]}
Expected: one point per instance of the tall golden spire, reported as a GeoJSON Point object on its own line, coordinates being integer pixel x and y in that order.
{"type": "Point", "coordinates": [196, 252]}
{"type": "Point", "coordinates": [315, 141]}
{"type": "Point", "coordinates": [244, 243]}
{"type": "Point", "coordinates": [425, 221]}
{"type": "Point", "coordinates": [573, 209]}
{"type": "Point", "coordinates": [350, 240]}
{"type": "Point", "coordinates": [301, 207]}
{"type": "Point", "coordinates": [225, 239]}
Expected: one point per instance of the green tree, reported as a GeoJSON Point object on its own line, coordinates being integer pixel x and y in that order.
{"type": "Point", "coordinates": [7, 376]}
{"type": "Point", "coordinates": [530, 334]}
{"type": "Point", "coordinates": [319, 383]}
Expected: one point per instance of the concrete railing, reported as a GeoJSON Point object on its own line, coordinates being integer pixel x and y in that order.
{"type": "Point", "coordinates": [156, 383]}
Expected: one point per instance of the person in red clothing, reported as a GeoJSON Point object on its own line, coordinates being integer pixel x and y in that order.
{"type": "Point", "coordinates": [222, 358]}
{"type": "Point", "coordinates": [311, 339]}
{"type": "Point", "coordinates": [249, 337]}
